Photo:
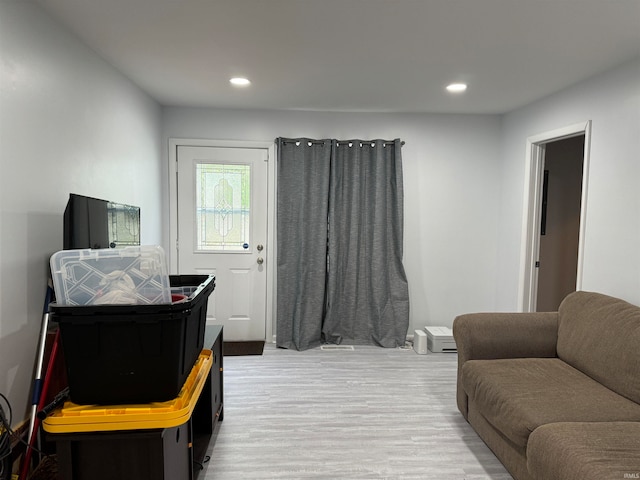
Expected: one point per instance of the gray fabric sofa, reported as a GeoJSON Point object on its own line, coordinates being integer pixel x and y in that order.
{"type": "Point", "coordinates": [556, 396]}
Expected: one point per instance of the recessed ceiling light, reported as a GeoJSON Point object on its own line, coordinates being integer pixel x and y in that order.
{"type": "Point", "coordinates": [457, 87]}
{"type": "Point", "coordinates": [240, 81]}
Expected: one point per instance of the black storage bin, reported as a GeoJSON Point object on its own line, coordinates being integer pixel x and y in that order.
{"type": "Point", "coordinates": [129, 354]}
{"type": "Point", "coordinates": [161, 454]}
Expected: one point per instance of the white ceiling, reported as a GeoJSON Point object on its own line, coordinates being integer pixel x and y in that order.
{"type": "Point", "coordinates": [356, 55]}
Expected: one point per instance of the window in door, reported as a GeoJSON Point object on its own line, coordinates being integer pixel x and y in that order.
{"type": "Point", "coordinates": [223, 206]}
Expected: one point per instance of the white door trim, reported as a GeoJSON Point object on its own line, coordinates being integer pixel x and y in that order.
{"type": "Point", "coordinates": [174, 143]}
{"type": "Point", "coordinates": [534, 171]}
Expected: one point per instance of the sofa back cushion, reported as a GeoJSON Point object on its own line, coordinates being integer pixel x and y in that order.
{"type": "Point", "coordinates": [600, 336]}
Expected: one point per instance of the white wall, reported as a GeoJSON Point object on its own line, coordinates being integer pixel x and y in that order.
{"type": "Point", "coordinates": [451, 178]}
{"type": "Point", "coordinates": [612, 238]}
{"type": "Point", "coordinates": [68, 123]}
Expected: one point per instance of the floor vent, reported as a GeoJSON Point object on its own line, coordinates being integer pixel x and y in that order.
{"type": "Point", "coordinates": [337, 347]}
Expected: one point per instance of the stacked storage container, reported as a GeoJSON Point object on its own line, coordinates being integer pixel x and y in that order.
{"type": "Point", "coordinates": [132, 338]}
{"type": "Point", "coordinates": [136, 346]}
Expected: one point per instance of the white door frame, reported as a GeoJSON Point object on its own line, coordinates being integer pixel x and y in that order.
{"type": "Point", "coordinates": [174, 143]}
{"type": "Point", "coordinates": [534, 172]}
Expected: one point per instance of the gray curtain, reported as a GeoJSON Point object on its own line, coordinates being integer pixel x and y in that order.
{"type": "Point", "coordinates": [340, 238]}
{"type": "Point", "coordinates": [302, 205]}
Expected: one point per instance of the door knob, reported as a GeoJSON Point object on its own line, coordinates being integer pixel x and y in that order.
{"type": "Point", "coordinates": [260, 260]}
{"type": "Point", "coordinates": [259, 247]}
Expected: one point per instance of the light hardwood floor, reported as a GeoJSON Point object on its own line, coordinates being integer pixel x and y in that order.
{"type": "Point", "coordinates": [371, 413]}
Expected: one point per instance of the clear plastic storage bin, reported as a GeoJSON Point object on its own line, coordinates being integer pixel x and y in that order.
{"type": "Point", "coordinates": [123, 276]}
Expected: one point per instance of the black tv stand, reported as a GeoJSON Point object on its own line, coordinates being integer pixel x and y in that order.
{"type": "Point", "coordinates": [209, 410]}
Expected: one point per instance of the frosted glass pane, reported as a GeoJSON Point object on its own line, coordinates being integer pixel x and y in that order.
{"type": "Point", "coordinates": [223, 206]}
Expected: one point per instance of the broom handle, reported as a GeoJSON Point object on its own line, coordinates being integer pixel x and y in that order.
{"type": "Point", "coordinates": [37, 381]}
{"type": "Point", "coordinates": [26, 461]}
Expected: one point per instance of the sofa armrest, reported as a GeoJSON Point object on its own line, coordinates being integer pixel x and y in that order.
{"type": "Point", "coordinates": [483, 336]}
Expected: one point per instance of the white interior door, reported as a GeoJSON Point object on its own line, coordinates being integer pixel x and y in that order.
{"type": "Point", "coordinates": [222, 230]}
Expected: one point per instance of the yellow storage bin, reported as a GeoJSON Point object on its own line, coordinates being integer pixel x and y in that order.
{"type": "Point", "coordinates": [73, 418]}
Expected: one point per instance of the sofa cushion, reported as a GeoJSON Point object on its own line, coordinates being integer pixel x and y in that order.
{"type": "Point", "coordinates": [600, 336]}
{"type": "Point", "coordinates": [585, 451]}
{"type": "Point", "coordinates": [518, 395]}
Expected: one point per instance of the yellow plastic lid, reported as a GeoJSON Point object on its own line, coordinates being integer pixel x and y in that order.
{"type": "Point", "coordinates": [72, 418]}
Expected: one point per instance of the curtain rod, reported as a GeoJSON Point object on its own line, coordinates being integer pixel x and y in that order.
{"type": "Point", "coordinates": [321, 142]}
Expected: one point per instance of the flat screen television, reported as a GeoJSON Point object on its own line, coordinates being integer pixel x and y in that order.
{"type": "Point", "coordinates": [94, 223]}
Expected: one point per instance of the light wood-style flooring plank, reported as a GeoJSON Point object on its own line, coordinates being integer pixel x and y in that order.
{"type": "Point", "coordinates": [371, 413]}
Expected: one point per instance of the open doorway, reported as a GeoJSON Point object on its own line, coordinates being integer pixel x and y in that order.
{"type": "Point", "coordinates": [559, 222]}
{"type": "Point", "coordinates": [553, 228]}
